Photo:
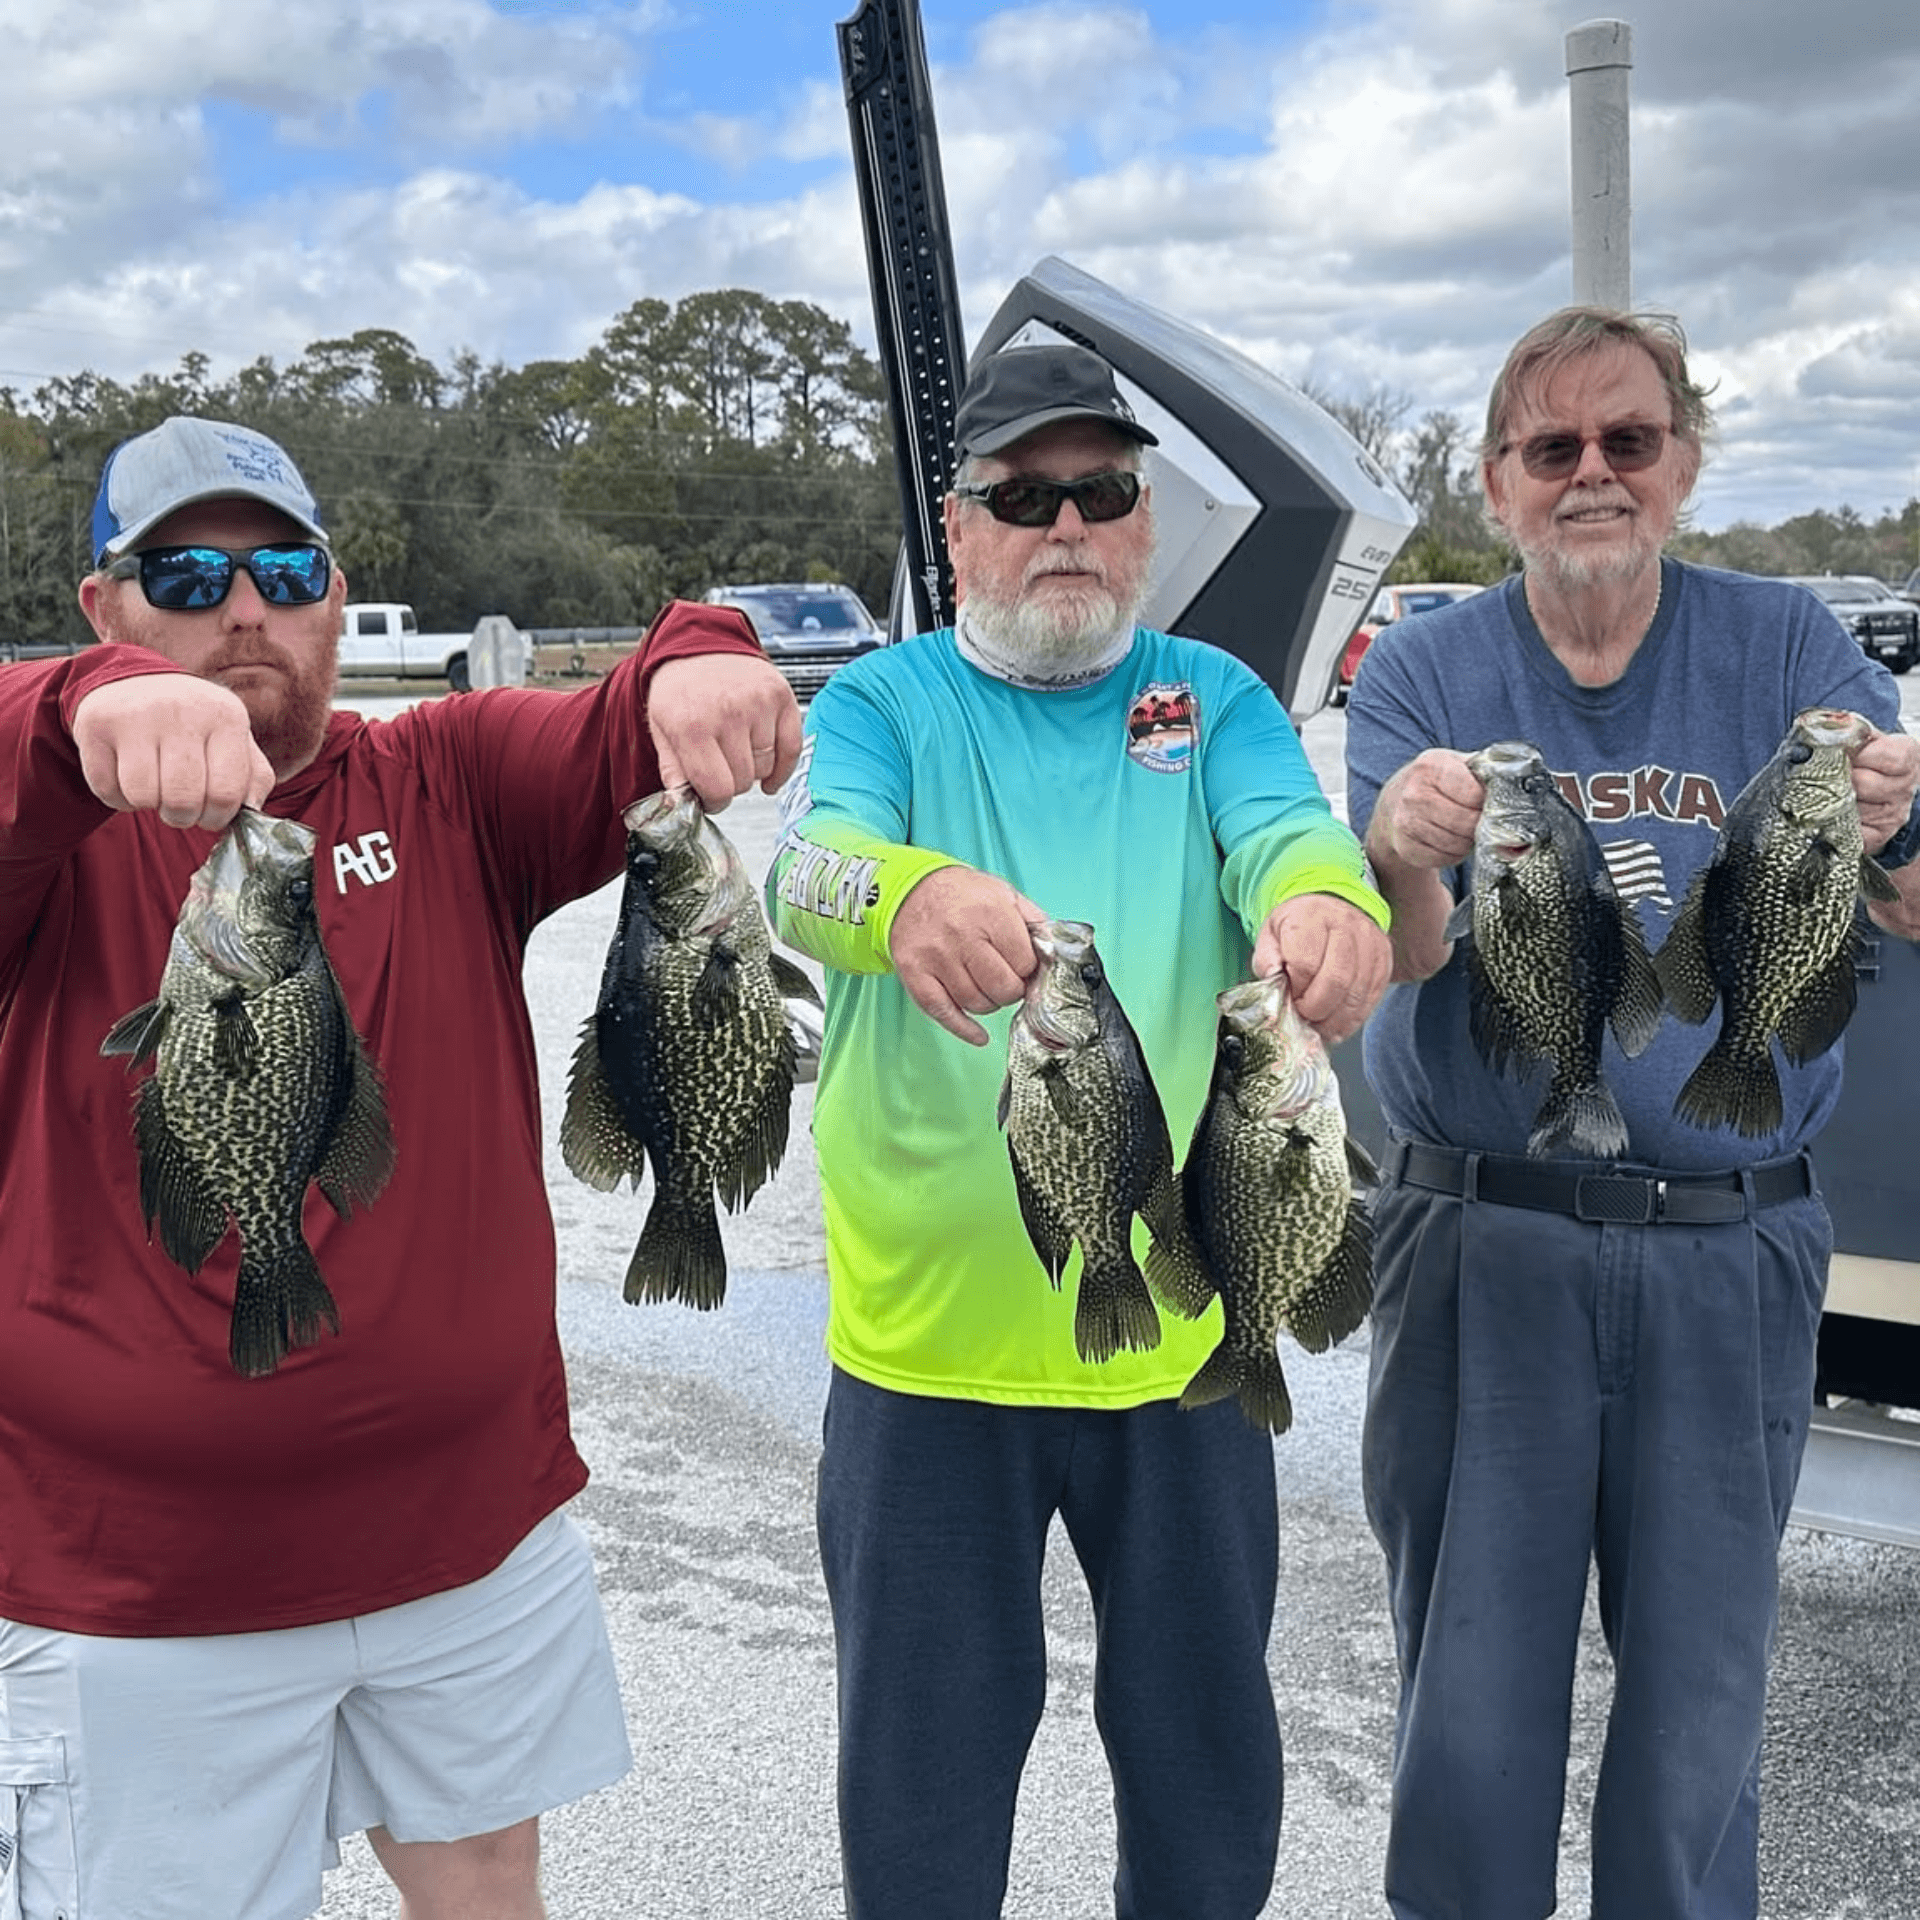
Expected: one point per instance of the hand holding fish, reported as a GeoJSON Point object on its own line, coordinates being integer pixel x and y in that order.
{"type": "Point", "coordinates": [1336, 961]}
{"type": "Point", "coordinates": [1427, 813]}
{"type": "Point", "coordinates": [960, 945]}
{"type": "Point", "coordinates": [721, 723]}
{"type": "Point", "coordinates": [174, 744]}
{"type": "Point", "coordinates": [1886, 772]}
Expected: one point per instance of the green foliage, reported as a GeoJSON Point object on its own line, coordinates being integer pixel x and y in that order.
{"type": "Point", "coordinates": [730, 437]}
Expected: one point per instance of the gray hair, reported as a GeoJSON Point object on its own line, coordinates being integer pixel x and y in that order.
{"type": "Point", "coordinates": [1574, 332]}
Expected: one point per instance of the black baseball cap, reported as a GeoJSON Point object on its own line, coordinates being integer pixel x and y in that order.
{"type": "Point", "coordinates": [1021, 389]}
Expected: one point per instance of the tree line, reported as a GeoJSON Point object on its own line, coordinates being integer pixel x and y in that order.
{"type": "Point", "coordinates": [725, 437]}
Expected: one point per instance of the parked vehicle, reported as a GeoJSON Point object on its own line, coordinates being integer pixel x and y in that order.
{"type": "Point", "coordinates": [808, 630]}
{"type": "Point", "coordinates": [1888, 628]}
{"type": "Point", "coordinates": [1909, 588]}
{"type": "Point", "coordinates": [381, 638]}
{"type": "Point", "coordinates": [1391, 604]}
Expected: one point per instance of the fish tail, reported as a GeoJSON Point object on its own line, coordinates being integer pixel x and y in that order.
{"type": "Point", "coordinates": [1114, 1311]}
{"type": "Point", "coordinates": [279, 1302]}
{"type": "Point", "coordinates": [1732, 1089]}
{"type": "Point", "coordinates": [1255, 1379]}
{"type": "Point", "coordinates": [1584, 1121]}
{"type": "Point", "coordinates": [680, 1255]}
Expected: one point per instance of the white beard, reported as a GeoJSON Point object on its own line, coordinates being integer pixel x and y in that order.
{"type": "Point", "coordinates": [1067, 639]}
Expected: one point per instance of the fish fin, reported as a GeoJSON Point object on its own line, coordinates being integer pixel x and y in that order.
{"type": "Point", "coordinates": [1875, 883]}
{"type": "Point", "coordinates": [1459, 919]}
{"type": "Point", "coordinates": [1640, 1000]}
{"type": "Point", "coordinates": [359, 1158]}
{"type": "Point", "coordinates": [1585, 1122]}
{"type": "Point", "coordinates": [1342, 1292]}
{"type": "Point", "coordinates": [1114, 1310]}
{"type": "Point", "coordinates": [1681, 966]}
{"type": "Point", "coordinates": [595, 1141]}
{"type": "Point", "coordinates": [1052, 1238]}
{"type": "Point", "coordinates": [1520, 913]}
{"type": "Point", "coordinates": [1822, 1008]}
{"type": "Point", "coordinates": [1806, 880]}
{"type": "Point", "coordinates": [1729, 1090]}
{"type": "Point", "coordinates": [137, 1034]}
{"type": "Point", "coordinates": [191, 1217]}
{"type": "Point", "coordinates": [679, 1255]}
{"type": "Point", "coordinates": [1176, 1270]}
{"type": "Point", "coordinates": [1004, 1106]}
{"type": "Point", "coordinates": [1360, 1164]}
{"type": "Point", "coordinates": [236, 1040]}
{"type": "Point", "coordinates": [763, 1144]}
{"type": "Point", "coordinates": [1497, 1034]}
{"type": "Point", "coordinates": [277, 1305]}
{"type": "Point", "coordinates": [715, 999]}
{"type": "Point", "coordinates": [1256, 1380]}
{"type": "Point", "coordinates": [795, 983]}
{"type": "Point", "coordinates": [1052, 1075]}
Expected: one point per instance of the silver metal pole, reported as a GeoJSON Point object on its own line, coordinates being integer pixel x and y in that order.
{"type": "Point", "coordinates": [1599, 59]}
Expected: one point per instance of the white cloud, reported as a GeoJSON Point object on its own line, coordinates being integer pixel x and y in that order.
{"type": "Point", "coordinates": [1382, 204]}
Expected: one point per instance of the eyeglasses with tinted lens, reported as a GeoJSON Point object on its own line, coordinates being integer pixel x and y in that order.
{"type": "Point", "coordinates": [1552, 456]}
{"type": "Point", "coordinates": [187, 579]}
{"type": "Point", "coordinates": [1026, 501]}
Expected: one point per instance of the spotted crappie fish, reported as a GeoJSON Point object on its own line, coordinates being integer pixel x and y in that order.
{"type": "Point", "coordinates": [1767, 926]}
{"type": "Point", "coordinates": [1088, 1140]}
{"type": "Point", "coordinates": [688, 1062]}
{"type": "Point", "coordinates": [1268, 1193]}
{"type": "Point", "coordinates": [260, 1085]}
{"type": "Point", "coordinates": [1555, 956]}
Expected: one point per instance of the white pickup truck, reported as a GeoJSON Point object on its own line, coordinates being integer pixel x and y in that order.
{"type": "Point", "coordinates": [381, 638]}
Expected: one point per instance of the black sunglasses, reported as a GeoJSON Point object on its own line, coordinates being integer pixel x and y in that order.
{"type": "Point", "coordinates": [186, 579]}
{"type": "Point", "coordinates": [1028, 502]}
{"type": "Point", "coordinates": [1552, 456]}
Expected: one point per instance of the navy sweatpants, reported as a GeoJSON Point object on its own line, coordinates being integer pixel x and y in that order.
{"type": "Point", "coordinates": [1545, 1390]}
{"type": "Point", "coordinates": [933, 1525]}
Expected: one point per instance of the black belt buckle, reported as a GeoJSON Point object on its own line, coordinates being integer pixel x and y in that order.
{"type": "Point", "coordinates": [1618, 1200]}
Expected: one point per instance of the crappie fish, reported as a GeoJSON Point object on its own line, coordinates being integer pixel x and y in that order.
{"type": "Point", "coordinates": [688, 1062]}
{"type": "Point", "coordinates": [1555, 956]}
{"type": "Point", "coordinates": [1088, 1140]}
{"type": "Point", "coordinates": [1767, 927]}
{"type": "Point", "coordinates": [1268, 1192]}
{"type": "Point", "coordinates": [260, 1084]}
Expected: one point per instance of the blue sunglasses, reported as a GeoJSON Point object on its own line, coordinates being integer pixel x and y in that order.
{"type": "Point", "coordinates": [187, 579]}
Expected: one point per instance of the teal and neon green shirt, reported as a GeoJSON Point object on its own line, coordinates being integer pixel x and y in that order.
{"type": "Point", "coordinates": [1169, 805]}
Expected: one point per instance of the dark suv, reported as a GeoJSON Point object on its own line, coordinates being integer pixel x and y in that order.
{"type": "Point", "coordinates": [807, 630]}
{"type": "Point", "coordinates": [1888, 629]}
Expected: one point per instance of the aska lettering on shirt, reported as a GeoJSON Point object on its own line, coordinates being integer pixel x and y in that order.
{"type": "Point", "coordinates": [1618, 796]}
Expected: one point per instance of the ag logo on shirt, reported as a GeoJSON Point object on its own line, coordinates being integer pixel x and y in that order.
{"type": "Point", "coordinates": [1163, 727]}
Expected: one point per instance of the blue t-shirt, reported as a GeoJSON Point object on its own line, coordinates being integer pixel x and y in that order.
{"type": "Point", "coordinates": [1653, 761]}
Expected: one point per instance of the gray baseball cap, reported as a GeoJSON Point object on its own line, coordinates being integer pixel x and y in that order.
{"type": "Point", "coordinates": [184, 460]}
{"type": "Point", "coordinates": [1019, 390]}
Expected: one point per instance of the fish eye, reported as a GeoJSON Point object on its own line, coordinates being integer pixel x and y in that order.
{"type": "Point", "coordinates": [1799, 753]}
{"type": "Point", "coordinates": [1234, 1046]}
{"type": "Point", "coordinates": [1091, 974]}
{"type": "Point", "coordinates": [300, 891]}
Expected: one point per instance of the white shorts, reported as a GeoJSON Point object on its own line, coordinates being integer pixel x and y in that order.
{"type": "Point", "coordinates": [210, 1778]}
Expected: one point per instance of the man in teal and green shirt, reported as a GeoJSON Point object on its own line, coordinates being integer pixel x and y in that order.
{"type": "Point", "coordinates": [1045, 757]}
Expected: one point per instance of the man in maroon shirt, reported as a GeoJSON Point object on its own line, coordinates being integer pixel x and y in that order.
{"type": "Point", "coordinates": [242, 1617]}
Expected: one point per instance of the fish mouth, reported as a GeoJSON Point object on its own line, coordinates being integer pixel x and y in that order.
{"type": "Point", "coordinates": [210, 919]}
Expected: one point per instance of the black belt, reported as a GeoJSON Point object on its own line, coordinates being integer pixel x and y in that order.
{"type": "Point", "coordinates": [1614, 1199]}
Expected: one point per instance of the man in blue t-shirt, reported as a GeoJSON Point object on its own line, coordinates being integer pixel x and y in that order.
{"type": "Point", "coordinates": [1550, 1384]}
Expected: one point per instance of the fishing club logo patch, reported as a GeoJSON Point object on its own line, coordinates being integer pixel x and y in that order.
{"type": "Point", "coordinates": [1163, 727]}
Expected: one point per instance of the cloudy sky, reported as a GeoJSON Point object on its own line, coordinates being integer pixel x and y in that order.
{"type": "Point", "coordinates": [1361, 194]}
